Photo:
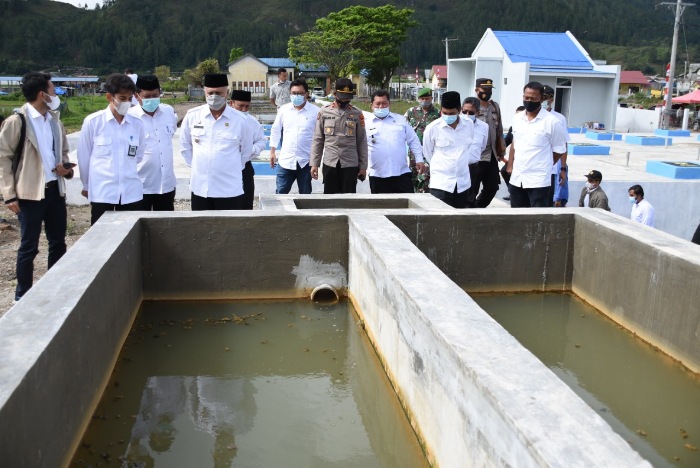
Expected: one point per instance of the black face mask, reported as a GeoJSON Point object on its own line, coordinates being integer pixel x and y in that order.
{"type": "Point", "coordinates": [343, 104]}
{"type": "Point", "coordinates": [485, 95]}
{"type": "Point", "coordinates": [532, 106]}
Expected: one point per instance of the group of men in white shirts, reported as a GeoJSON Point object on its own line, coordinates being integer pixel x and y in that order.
{"type": "Point", "coordinates": [125, 153]}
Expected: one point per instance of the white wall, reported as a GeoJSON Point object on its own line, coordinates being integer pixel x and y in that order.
{"type": "Point", "coordinates": [636, 120]}
{"type": "Point", "coordinates": [511, 93]}
{"type": "Point", "coordinates": [460, 77]}
{"type": "Point", "coordinates": [589, 101]}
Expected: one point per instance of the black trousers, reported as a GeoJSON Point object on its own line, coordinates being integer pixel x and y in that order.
{"type": "Point", "coordinates": [98, 209]}
{"type": "Point", "coordinates": [529, 197]}
{"type": "Point", "coordinates": [158, 201]}
{"type": "Point", "coordinates": [483, 173]}
{"type": "Point", "coordinates": [51, 211]}
{"type": "Point", "coordinates": [395, 184]}
{"type": "Point", "coordinates": [212, 203]}
{"type": "Point", "coordinates": [248, 186]}
{"type": "Point", "coordinates": [454, 199]}
{"type": "Point", "coordinates": [696, 236]}
{"type": "Point", "coordinates": [551, 190]}
{"type": "Point", "coordinates": [340, 179]}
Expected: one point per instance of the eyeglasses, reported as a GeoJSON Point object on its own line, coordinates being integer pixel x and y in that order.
{"type": "Point", "coordinates": [468, 113]}
{"type": "Point", "coordinates": [298, 94]}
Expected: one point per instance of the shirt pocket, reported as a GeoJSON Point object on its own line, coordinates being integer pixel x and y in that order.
{"type": "Point", "coordinates": [102, 147]}
{"type": "Point", "coordinates": [535, 140]}
{"type": "Point", "coordinates": [199, 135]}
{"type": "Point", "coordinates": [227, 141]}
{"type": "Point", "coordinates": [443, 143]}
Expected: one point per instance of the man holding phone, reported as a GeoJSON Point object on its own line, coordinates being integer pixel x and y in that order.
{"type": "Point", "coordinates": [33, 186]}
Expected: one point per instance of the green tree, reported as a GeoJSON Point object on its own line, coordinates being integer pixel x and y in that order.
{"type": "Point", "coordinates": [210, 65]}
{"type": "Point", "coordinates": [163, 73]}
{"type": "Point", "coordinates": [355, 38]}
{"type": "Point", "coordinates": [235, 54]}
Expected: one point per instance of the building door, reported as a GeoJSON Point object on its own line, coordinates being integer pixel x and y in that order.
{"type": "Point", "coordinates": [562, 96]}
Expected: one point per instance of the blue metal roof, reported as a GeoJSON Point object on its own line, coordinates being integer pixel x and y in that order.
{"type": "Point", "coordinates": [545, 50]}
{"type": "Point", "coordinates": [313, 68]}
{"type": "Point", "coordinates": [276, 62]}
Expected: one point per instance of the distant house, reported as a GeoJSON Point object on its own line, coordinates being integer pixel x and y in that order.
{"type": "Point", "coordinates": [584, 90]}
{"type": "Point", "coordinates": [632, 82]}
{"type": "Point", "coordinates": [438, 76]}
{"type": "Point", "coordinates": [256, 75]}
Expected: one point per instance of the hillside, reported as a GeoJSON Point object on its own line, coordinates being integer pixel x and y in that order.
{"type": "Point", "coordinates": [142, 34]}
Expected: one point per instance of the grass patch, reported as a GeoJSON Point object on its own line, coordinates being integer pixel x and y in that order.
{"type": "Point", "coordinates": [73, 109]}
{"type": "Point", "coordinates": [397, 107]}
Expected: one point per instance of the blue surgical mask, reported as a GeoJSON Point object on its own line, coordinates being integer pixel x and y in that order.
{"type": "Point", "coordinates": [449, 119]}
{"type": "Point", "coordinates": [633, 200]}
{"type": "Point", "coordinates": [381, 112]}
{"type": "Point", "coordinates": [150, 104]}
{"type": "Point", "coordinates": [298, 99]}
{"type": "Point", "coordinates": [472, 118]}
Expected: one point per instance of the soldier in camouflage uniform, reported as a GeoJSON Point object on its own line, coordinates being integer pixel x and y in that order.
{"type": "Point", "coordinates": [419, 117]}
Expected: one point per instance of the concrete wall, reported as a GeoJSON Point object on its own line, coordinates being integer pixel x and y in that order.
{"type": "Point", "coordinates": [474, 395]}
{"type": "Point", "coordinates": [676, 203]}
{"type": "Point", "coordinates": [645, 280]}
{"type": "Point", "coordinates": [497, 250]}
{"type": "Point", "coordinates": [253, 255]}
{"type": "Point", "coordinates": [58, 345]}
{"type": "Point", "coordinates": [588, 102]}
{"type": "Point", "coordinates": [636, 120]}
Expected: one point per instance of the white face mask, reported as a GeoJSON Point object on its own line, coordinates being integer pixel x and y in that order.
{"type": "Point", "coordinates": [122, 108]}
{"type": "Point", "coordinates": [216, 102]}
{"type": "Point", "coordinates": [54, 102]}
{"type": "Point", "coordinates": [590, 186]}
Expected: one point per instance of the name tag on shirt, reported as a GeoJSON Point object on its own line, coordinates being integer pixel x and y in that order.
{"type": "Point", "coordinates": [132, 150]}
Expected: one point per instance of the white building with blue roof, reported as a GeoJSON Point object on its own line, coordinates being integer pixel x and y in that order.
{"type": "Point", "coordinates": [585, 91]}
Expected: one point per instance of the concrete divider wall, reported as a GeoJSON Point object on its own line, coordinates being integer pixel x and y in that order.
{"type": "Point", "coordinates": [475, 395]}
{"type": "Point", "coordinates": [59, 344]}
{"type": "Point", "coordinates": [493, 250]}
{"type": "Point", "coordinates": [643, 279]}
{"type": "Point", "coordinates": [251, 255]}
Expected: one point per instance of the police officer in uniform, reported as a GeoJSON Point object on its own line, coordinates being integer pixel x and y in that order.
{"type": "Point", "coordinates": [485, 172]}
{"type": "Point", "coordinates": [340, 138]}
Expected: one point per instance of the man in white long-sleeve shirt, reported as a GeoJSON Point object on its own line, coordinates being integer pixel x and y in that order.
{"type": "Point", "coordinates": [240, 100]}
{"type": "Point", "coordinates": [446, 144]}
{"type": "Point", "coordinates": [642, 210]}
{"type": "Point", "coordinates": [388, 134]}
{"type": "Point", "coordinates": [297, 120]}
{"type": "Point", "coordinates": [156, 168]}
{"type": "Point", "coordinates": [215, 143]}
{"type": "Point", "coordinates": [471, 108]}
{"type": "Point", "coordinates": [111, 145]}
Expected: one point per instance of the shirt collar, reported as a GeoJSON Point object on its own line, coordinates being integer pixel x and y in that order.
{"type": "Point", "coordinates": [109, 116]}
{"type": "Point", "coordinates": [35, 114]}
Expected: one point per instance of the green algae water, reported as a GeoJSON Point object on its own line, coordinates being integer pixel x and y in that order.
{"type": "Point", "coordinates": [248, 384]}
{"type": "Point", "coordinates": [646, 397]}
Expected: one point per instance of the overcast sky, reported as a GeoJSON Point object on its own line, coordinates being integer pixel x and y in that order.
{"type": "Point", "coordinates": [90, 3]}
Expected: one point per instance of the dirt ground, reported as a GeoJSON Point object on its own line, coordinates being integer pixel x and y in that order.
{"type": "Point", "coordinates": [78, 224]}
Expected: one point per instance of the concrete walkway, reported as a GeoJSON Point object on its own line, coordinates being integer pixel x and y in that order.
{"type": "Point", "coordinates": [677, 202]}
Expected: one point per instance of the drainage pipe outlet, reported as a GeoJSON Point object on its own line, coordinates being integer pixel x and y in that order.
{"type": "Point", "coordinates": [325, 293]}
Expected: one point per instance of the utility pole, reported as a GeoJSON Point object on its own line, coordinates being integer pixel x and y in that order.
{"type": "Point", "coordinates": [447, 41]}
{"type": "Point", "coordinates": [678, 7]}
